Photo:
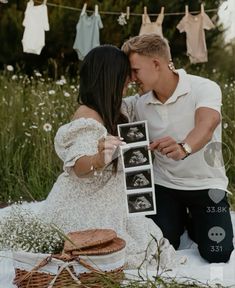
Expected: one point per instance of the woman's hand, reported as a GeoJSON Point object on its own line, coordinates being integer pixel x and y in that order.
{"type": "Point", "coordinates": [87, 165]}
{"type": "Point", "coordinates": [106, 149]}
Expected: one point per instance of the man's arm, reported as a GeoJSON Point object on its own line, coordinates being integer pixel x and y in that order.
{"type": "Point", "coordinates": [206, 121]}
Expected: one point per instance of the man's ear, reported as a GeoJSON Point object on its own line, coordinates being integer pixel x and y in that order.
{"type": "Point", "coordinates": [156, 63]}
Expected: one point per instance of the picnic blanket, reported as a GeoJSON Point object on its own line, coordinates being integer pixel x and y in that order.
{"type": "Point", "coordinates": [195, 267]}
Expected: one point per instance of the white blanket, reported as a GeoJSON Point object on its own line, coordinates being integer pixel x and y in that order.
{"type": "Point", "coordinates": [195, 267]}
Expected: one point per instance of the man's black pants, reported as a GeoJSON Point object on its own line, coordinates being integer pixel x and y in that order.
{"type": "Point", "coordinates": [208, 224]}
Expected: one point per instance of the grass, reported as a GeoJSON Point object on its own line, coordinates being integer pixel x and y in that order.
{"type": "Point", "coordinates": [32, 109]}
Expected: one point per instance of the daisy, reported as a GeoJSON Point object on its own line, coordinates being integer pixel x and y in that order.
{"type": "Point", "coordinates": [47, 127]}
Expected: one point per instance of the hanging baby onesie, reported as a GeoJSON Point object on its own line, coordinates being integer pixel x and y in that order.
{"type": "Point", "coordinates": [35, 23]}
{"type": "Point", "coordinates": [195, 35]}
{"type": "Point", "coordinates": [148, 27]}
{"type": "Point", "coordinates": [87, 36]}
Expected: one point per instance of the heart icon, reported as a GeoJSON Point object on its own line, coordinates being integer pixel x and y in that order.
{"type": "Point", "coordinates": [216, 195]}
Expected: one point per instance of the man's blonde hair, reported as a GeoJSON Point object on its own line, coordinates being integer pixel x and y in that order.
{"type": "Point", "coordinates": [148, 45]}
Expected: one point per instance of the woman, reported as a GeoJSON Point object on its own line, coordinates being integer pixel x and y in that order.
{"type": "Point", "coordinates": [90, 192]}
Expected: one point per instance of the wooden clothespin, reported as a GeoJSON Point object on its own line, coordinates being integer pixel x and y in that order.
{"type": "Point", "coordinates": [162, 9]}
{"type": "Point", "coordinates": [145, 10]}
{"type": "Point", "coordinates": [186, 9]}
{"type": "Point", "coordinates": [45, 2]}
{"type": "Point", "coordinates": [84, 8]}
{"type": "Point", "coordinates": [202, 8]}
{"type": "Point", "coordinates": [127, 12]}
{"type": "Point", "coordinates": [96, 10]}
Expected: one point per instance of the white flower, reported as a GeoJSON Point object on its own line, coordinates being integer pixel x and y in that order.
{"type": "Point", "coordinates": [14, 77]}
{"type": "Point", "coordinates": [58, 82]}
{"type": "Point", "coordinates": [10, 68]}
{"type": "Point", "coordinates": [66, 94]}
{"type": "Point", "coordinates": [38, 74]}
{"type": "Point", "coordinates": [41, 104]}
{"type": "Point", "coordinates": [51, 92]}
{"type": "Point", "coordinates": [47, 127]}
{"type": "Point", "coordinates": [62, 81]}
{"type": "Point", "coordinates": [225, 125]}
{"type": "Point", "coordinates": [27, 134]}
{"type": "Point", "coordinates": [22, 230]}
{"type": "Point", "coordinates": [34, 127]}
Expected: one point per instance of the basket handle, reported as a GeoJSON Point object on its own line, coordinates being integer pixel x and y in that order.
{"type": "Point", "coordinates": [27, 275]}
{"type": "Point", "coordinates": [64, 266]}
{"type": "Point", "coordinates": [45, 261]}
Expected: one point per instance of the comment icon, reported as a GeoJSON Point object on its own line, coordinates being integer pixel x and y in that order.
{"type": "Point", "coordinates": [216, 234]}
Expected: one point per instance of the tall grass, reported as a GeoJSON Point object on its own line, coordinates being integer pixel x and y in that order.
{"type": "Point", "coordinates": [32, 109]}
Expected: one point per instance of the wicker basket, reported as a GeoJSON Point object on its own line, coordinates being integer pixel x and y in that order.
{"type": "Point", "coordinates": [99, 267]}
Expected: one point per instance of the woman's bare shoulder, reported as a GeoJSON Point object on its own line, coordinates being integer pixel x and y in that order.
{"type": "Point", "coordinates": [85, 112]}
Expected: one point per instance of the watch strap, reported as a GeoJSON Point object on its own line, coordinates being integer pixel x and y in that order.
{"type": "Point", "coordinates": [185, 151]}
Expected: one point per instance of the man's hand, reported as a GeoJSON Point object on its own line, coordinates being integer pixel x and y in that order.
{"type": "Point", "coordinates": [169, 147]}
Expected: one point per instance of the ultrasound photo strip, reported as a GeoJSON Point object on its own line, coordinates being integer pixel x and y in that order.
{"type": "Point", "coordinates": [138, 168]}
{"type": "Point", "coordinates": [134, 133]}
{"type": "Point", "coordinates": [136, 158]}
{"type": "Point", "coordinates": [141, 203]}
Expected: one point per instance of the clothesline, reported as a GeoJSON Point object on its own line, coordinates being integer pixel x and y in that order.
{"type": "Point", "coordinates": [90, 39]}
{"type": "Point", "coordinates": [118, 13]}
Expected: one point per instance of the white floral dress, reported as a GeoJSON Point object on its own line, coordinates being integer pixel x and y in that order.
{"type": "Point", "coordinates": [98, 201]}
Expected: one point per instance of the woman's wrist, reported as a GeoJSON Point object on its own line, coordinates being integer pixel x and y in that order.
{"type": "Point", "coordinates": [96, 162]}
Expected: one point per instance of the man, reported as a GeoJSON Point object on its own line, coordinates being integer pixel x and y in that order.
{"type": "Point", "coordinates": [183, 114]}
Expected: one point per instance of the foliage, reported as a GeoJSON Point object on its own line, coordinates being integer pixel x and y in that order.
{"type": "Point", "coordinates": [58, 53]}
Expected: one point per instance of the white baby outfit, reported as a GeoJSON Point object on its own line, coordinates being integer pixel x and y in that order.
{"type": "Point", "coordinates": [35, 23]}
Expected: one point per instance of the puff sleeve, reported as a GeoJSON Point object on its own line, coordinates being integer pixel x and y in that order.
{"type": "Point", "coordinates": [76, 139]}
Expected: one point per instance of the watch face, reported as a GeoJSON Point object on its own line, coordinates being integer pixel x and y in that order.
{"type": "Point", "coordinates": [187, 148]}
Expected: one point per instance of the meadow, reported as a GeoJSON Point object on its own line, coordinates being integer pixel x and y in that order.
{"type": "Point", "coordinates": [32, 109]}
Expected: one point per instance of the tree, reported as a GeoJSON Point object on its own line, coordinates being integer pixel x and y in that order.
{"type": "Point", "coordinates": [60, 38]}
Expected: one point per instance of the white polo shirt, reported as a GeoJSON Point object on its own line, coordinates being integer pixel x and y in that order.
{"type": "Point", "coordinates": [175, 118]}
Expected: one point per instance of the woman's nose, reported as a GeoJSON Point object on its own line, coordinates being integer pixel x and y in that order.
{"type": "Point", "coordinates": [133, 77]}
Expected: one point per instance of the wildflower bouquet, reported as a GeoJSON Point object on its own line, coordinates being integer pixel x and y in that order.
{"type": "Point", "coordinates": [41, 260]}
{"type": "Point", "coordinates": [21, 230]}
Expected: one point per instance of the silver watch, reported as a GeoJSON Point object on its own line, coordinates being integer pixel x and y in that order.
{"type": "Point", "coordinates": [187, 149]}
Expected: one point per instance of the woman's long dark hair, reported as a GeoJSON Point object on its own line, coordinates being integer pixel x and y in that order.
{"type": "Point", "coordinates": [103, 74]}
